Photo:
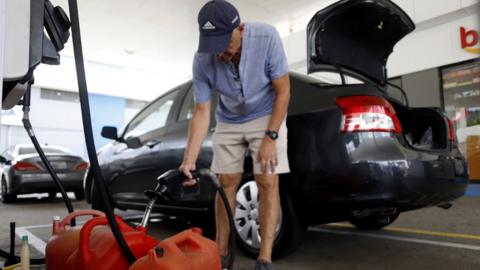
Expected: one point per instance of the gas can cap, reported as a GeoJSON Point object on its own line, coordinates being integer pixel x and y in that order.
{"type": "Point", "coordinates": [159, 251]}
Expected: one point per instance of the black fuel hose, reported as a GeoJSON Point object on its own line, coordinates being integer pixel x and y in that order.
{"type": "Point", "coordinates": [31, 134]}
{"type": "Point", "coordinates": [87, 128]}
{"type": "Point", "coordinates": [28, 127]}
{"type": "Point", "coordinates": [231, 242]}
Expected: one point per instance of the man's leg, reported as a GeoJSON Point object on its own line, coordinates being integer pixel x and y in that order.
{"type": "Point", "coordinates": [269, 212]}
{"type": "Point", "coordinates": [230, 183]}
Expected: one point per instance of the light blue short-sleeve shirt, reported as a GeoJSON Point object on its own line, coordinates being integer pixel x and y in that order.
{"type": "Point", "coordinates": [247, 94]}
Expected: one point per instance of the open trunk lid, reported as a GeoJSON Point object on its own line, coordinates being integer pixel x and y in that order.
{"type": "Point", "coordinates": [357, 35]}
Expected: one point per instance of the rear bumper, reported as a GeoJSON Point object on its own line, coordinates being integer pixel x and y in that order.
{"type": "Point", "coordinates": [30, 183]}
{"type": "Point", "coordinates": [374, 171]}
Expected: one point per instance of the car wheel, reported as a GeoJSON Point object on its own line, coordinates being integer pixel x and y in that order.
{"type": "Point", "coordinates": [6, 197]}
{"type": "Point", "coordinates": [373, 222]}
{"type": "Point", "coordinates": [79, 194]}
{"type": "Point", "coordinates": [288, 233]}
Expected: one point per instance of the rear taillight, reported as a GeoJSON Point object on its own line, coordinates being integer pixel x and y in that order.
{"type": "Point", "coordinates": [25, 166]}
{"type": "Point", "coordinates": [82, 166]}
{"type": "Point", "coordinates": [368, 113]}
{"type": "Point", "coordinates": [451, 130]}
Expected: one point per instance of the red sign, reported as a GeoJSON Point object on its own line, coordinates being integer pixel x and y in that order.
{"type": "Point", "coordinates": [469, 39]}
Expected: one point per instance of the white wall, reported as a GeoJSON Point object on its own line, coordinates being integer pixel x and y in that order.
{"type": "Point", "coordinates": [103, 78]}
{"type": "Point", "coordinates": [435, 42]}
{"type": "Point", "coordinates": [433, 46]}
{"type": "Point", "coordinates": [54, 122]}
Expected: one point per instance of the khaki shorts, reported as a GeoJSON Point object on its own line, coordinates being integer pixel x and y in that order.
{"type": "Point", "coordinates": [231, 141]}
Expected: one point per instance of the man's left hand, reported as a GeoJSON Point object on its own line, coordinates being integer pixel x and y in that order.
{"type": "Point", "coordinates": [268, 155]}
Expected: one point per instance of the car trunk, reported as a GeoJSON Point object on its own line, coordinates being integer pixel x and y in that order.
{"type": "Point", "coordinates": [60, 163]}
{"type": "Point", "coordinates": [424, 128]}
{"type": "Point", "coordinates": [356, 36]}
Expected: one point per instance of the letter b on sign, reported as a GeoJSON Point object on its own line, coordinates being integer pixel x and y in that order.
{"type": "Point", "coordinates": [468, 38]}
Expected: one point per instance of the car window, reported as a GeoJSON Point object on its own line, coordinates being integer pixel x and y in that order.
{"type": "Point", "coordinates": [334, 78]}
{"type": "Point", "coordinates": [187, 108]}
{"type": "Point", "coordinates": [153, 117]}
{"type": "Point", "coordinates": [31, 150]}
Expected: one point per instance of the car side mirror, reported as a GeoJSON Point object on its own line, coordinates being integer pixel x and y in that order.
{"type": "Point", "coordinates": [110, 133]}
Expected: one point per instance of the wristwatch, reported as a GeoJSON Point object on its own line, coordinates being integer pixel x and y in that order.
{"type": "Point", "coordinates": [272, 134]}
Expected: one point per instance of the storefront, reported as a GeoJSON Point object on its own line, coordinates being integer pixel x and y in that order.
{"type": "Point", "coordinates": [461, 98]}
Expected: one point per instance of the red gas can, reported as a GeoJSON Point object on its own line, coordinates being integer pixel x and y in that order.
{"type": "Point", "coordinates": [98, 249]}
{"type": "Point", "coordinates": [187, 250]}
{"type": "Point", "coordinates": [65, 239]}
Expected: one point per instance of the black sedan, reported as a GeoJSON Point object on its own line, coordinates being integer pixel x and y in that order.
{"type": "Point", "coordinates": [23, 172]}
{"type": "Point", "coordinates": [356, 154]}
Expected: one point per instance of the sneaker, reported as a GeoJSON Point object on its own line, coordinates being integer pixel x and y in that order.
{"type": "Point", "coordinates": [263, 265]}
{"type": "Point", "coordinates": [224, 262]}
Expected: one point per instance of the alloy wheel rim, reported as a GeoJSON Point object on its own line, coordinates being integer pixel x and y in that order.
{"type": "Point", "coordinates": [247, 218]}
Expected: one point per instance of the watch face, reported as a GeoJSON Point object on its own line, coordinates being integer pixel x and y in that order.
{"type": "Point", "coordinates": [272, 134]}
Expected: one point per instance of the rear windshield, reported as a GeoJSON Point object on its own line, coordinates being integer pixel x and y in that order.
{"type": "Point", "coordinates": [47, 150]}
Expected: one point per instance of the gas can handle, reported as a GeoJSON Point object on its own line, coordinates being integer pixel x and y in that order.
{"type": "Point", "coordinates": [85, 252]}
{"type": "Point", "coordinates": [88, 212]}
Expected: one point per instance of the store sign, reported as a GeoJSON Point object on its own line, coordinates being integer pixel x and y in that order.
{"type": "Point", "coordinates": [470, 40]}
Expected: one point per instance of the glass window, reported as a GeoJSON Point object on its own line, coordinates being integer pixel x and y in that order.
{"type": "Point", "coordinates": [153, 117]}
{"type": "Point", "coordinates": [334, 78]}
{"type": "Point", "coordinates": [461, 94]}
{"type": "Point", "coordinates": [31, 150]}
{"type": "Point", "coordinates": [187, 107]}
{"type": "Point", "coordinates": [394, 92]}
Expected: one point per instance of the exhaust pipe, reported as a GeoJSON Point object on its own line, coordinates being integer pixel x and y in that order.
{"type": "Point", "coordinates": [381, 211]}
{"type": "Point", "coordinates": [445, 206]}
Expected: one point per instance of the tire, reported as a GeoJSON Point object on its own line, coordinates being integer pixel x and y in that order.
{"type": "Point", "coordinates": [79, 194]}
{"type": "Point", "coordinates": [289, 233]}
{"type": "Point", "coordinates": [6, 197]}
{"type": "Point", "coordinates": [373, 222]}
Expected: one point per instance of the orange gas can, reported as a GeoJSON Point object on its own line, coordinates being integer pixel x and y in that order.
{"type": "Point", "coordinates": [98, 249]}
{"type": "Point", "coordinates": [188, 250]}
{"type": "Point", "coordinates": [65, 239]}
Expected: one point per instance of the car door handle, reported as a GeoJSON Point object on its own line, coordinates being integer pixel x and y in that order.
{"type": "Point", "coordinates": [152, 143]}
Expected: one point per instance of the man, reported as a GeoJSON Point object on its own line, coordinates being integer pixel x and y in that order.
{"type": "Point", "coordinates": [246, 64]}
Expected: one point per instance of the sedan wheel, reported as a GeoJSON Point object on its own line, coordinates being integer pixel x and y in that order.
{"type": "Point", "coordinates": [288, 232]}
{"type": "Point", "coordinates": [247, 216]}
{"type": "Point", "coordinates": [6, 197]}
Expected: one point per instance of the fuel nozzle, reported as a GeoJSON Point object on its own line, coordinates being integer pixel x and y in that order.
{"type": "Point", "coordinates": [169, 187]}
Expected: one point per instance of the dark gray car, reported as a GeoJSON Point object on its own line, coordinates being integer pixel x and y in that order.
{"type": "Point", "coordinates": [23, 172]}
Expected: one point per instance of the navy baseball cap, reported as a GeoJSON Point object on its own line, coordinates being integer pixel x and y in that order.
{"type": "Point", "coordinates": [216, 21]}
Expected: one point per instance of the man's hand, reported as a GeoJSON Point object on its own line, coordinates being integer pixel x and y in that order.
{"type": "Point", "coordinates": [268, 155]}
{"type": "Point", "coordinates": [186, 167]}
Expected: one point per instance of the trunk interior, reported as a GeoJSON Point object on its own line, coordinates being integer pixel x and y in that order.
{"type": "Point", "coordinates": [424, 128]}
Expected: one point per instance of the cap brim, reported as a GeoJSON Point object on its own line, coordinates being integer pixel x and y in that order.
{"type": "Point", "coordinates": [214, 44]}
